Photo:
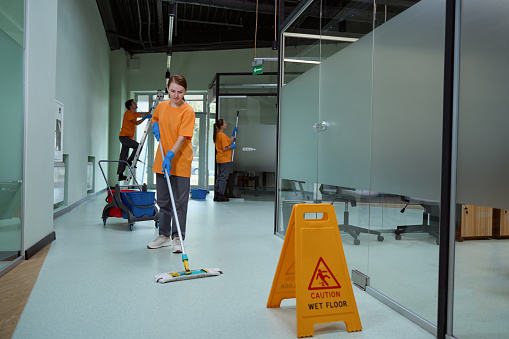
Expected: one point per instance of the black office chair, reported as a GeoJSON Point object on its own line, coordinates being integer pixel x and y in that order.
{"type": "Point", "coordinates": [350, 196]}
{"type": "Point", "coordinates": [430, 218]}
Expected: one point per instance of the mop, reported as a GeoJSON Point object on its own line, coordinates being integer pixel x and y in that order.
{"type": "Point", "coordinates": [187, 274]}
{"type": "Point", "coordinates": [235, 134]}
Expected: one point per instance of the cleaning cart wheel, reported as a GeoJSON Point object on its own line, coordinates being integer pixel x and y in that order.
{"type": "Point", "coordinates": [131, 227]}
{"type": "Point", "coordinates": [380, 238]}
{"type": "Point", "coordinates": [356, 241]}
{"type": "Point", "coordinates": [398, 236]}
{"type": "Point", "coordinates": [157, 224]}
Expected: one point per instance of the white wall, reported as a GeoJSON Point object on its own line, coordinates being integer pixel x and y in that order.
{"type": "Point", "coordinates": [118, 96]}
{"type": "Point", "coordinates": [41, 37]}
{"type": "Point", "coordinates": [82, 85]}
{"type": "Point", "coordinates": [67, 60]}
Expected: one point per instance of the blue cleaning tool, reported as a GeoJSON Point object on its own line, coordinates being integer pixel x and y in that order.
{"type": "Point", "coordinates": [188, 273]}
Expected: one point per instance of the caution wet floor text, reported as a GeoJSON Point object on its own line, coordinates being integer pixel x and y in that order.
{"type": "Point", "coordinates": [312, 268]}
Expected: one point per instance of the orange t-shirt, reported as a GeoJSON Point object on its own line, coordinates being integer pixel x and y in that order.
{"type": "Point", "coordinates": [222, 140]}
{"type": "Point", "coordinates": [128, 127]}
{"type": "Point", "coordinates": [174, 122]}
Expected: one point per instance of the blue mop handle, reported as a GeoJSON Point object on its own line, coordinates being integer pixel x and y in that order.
{"type": "Point", "coordinates": [184, 256]}
{"type": "Point", "coordinates": [235, 137]}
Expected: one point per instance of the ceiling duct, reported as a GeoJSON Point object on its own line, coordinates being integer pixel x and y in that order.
{"type": "Point", "coordinates": [237, 5]}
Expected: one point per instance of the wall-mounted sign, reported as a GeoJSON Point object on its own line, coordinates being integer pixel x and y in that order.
{"type": "Point", "coordinates": [258, 69]}
{"type": "Point", "coordinates": [59, 138]}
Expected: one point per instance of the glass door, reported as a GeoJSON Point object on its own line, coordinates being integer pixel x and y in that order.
{"type": "Point", "coordinates": [253, 170]}
{"type": "Point", "coordinates": [12, 95]}
{"type": "Point", "coordinates": [227, 110]}
{"type": "Point", "coordinates": [406, 147]}
{"type": "Point", "coordinates": [343, 125]}
{"type": "Point", "coordinates": [144, 168]}
{"type": "Point", "coordinates": [211, 149]}
{"type": "Point", "coordinates": [298, 115]}
{"type": "Point", "coordinates": [199, 173]}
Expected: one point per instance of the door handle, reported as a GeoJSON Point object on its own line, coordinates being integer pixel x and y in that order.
{"type": "Point", "coordinates": [320, 126]}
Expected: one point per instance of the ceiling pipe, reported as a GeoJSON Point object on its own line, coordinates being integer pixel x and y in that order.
{"type": "Point", "coordinates": [237, 5]}
{"type": "Point", "coordinates": [139, 21]}
{"type": "Point", "coordinates": [160, 22]}
{"type": "Point", "coordinates": [149, 24]}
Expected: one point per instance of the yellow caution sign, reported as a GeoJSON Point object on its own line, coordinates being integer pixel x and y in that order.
{"type": "Point", "coordinates": [312, 268]}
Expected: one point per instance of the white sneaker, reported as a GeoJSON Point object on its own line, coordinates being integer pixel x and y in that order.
{"type": "Point", "coordinates": [160, 241]}
{"type": "Point", "coordinates": [176, 245]}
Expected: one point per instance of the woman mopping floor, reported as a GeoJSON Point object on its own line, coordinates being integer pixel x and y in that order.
{"type": "Point", "coordinates": [173, 127]}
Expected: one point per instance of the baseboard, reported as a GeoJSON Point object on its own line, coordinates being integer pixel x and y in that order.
{"type": "Point", "coordinates": [63, 210]}
{"type": "Point", "coordinates": [30, 252]}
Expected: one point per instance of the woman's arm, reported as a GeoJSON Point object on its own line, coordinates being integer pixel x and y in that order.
{"type": "Point", "coordinates": [178, 144]}
{"type": "Point", "coordinates": [227, 148]}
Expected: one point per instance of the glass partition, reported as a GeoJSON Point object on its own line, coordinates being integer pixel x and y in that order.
{"type": "Point", "coordinates": [300, 57]}
{"type": "Point", "coordinates": [249, 102]}
{"type": "Point", "coordinates": [211, 149]}
{"type": "Point", "coordinates": [481, 292]}
{"type": "Point", "coordinates": [143, 169]}
{"type": "Point", "coordinates": [406, 148]}
{"type": "Point", "coordinates": [12, 24]}
{"type": "Point", "coordinates": [361, 101]}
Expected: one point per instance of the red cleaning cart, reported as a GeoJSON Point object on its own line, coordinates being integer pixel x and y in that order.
{"type": "Point", "coordinates": [131, 202]}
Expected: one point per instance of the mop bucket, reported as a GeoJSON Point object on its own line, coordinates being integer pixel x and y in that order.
{"type": "Point", "coordinates": [141, 203]}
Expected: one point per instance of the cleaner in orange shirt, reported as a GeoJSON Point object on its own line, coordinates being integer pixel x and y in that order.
{"type": "Point", "coordinates": [173, 126]}
{"type": "Point", "coordinates": [126, 135]}
{"type": "Point", "coordinates": [224, 146]}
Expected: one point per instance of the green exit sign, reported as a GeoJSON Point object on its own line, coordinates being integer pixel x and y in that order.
{"type": "Point", "coordinates": [258, 69]}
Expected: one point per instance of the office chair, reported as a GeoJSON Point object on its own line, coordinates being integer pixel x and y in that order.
{"type": "Point", "coordinates": [430, 218]}
{"type": "Point", "coordinates": [350, 196]}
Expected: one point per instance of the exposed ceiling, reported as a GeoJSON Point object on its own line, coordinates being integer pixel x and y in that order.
{"type": "Point", "coordinates": [142, 26]}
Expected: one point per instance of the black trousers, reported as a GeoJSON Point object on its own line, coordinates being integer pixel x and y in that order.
{"type": "Point", "coordinates": [127, 143]}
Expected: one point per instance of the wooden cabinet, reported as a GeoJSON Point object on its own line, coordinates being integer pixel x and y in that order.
{"type": "Point", "coordinates": [477, 222]}
{"type": "Point", "coordinates": [504, 224]}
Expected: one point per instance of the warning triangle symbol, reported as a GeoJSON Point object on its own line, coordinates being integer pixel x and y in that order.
{"type": "Point", "coordinates": [323, 278]}
{"type": "Point", "coordinates": [291, 269]}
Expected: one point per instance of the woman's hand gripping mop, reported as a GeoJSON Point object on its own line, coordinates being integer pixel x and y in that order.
{"type": "Point", "coordinates": [187, 274]}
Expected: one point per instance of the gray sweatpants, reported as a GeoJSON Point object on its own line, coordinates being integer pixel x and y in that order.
{"type": "Point", "coordinates": [180, 187]}
{"type": "Point", "coordinates": [223, 171]}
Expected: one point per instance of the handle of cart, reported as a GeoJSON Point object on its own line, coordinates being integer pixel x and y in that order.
{"type": "Point", "coordinates": [140, 187]}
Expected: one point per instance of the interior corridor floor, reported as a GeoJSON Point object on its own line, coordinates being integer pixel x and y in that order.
{"type": "Point", "coordinates": [97, 281]}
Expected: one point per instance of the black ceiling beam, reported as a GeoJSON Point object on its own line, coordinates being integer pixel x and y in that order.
{"type": "Point", "coordinates": [210, 22]}
{"type": "Point", "coordinates": [354, 12]}
{"type": "Point", "coordinates": [160, 21]}
{"type": "Point", "coordinates": [264, 7]}
{"type": "Point", "coordinates": [108, 22]}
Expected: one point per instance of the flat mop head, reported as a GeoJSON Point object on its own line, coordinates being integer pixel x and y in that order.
{"type": "Point", "coordinates": [194, 274]}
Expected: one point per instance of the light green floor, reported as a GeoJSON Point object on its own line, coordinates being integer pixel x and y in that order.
{"type": "Point", "coordinates": [97, 281]}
